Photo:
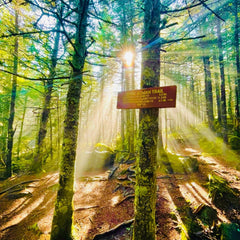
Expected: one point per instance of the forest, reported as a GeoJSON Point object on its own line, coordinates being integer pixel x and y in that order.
{"type": "Point", "coordinates": [76, 163]}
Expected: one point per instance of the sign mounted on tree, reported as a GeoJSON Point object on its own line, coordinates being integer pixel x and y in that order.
{"type": "Point", "coordinates": [156, 97]}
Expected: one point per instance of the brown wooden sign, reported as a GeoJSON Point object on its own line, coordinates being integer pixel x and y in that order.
{"type": "Point", "coordinates": [156, 97]}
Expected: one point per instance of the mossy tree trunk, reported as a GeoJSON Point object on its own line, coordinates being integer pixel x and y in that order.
{"type": "Point", "coordinates": [21, 127]}
{"type": "Point", "coordinates": [63, 213]}
{"type": "Point", "coordinates": [237, 81]}
{"type": "Point", "coordinates": [218, 96]}
{"type": "Point", "coordinates": [38, 158]}
{"type": "Point", "coordinates": [145, 189]}
{"type": "Point", "coordinates": [222, 76]}
{"type": "Point", "coordinates": [208, 91]}
{"type": "Point", "coordinates": [12, 102]}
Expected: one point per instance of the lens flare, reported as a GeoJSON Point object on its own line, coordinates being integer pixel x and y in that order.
{"type": "Point", "coordinates": [128, 58]}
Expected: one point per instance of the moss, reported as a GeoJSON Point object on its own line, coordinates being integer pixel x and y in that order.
{"type": "Point", "coordinates": [172, 163]}
{"type": "Point", "coordinates": [207, 215]}
{"type": "Point", "coordinates": [234, 142]}
{"type": "Point", "coordinates": [141, 190]}
{"type": "Point", "coordinates": [190, 164]}
{"type": "Point", "coordinates": [63, 216]}
{"type": "Point", "coordinates": [230, 231]}
{"type": "Point", "coordinates": [221, 193]}
{"type": "Point", "coordinates": [35, 228]}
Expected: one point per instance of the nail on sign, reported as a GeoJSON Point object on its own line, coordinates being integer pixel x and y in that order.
{"type": "Point", "coordinates": [156, 97]}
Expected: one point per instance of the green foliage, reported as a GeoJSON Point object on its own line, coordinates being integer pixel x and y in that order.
{"type": "Point", "coordinates": [173, 163]}
{"type": "Point", "coordinates": [234, 142]}
{"type": "Point", "coordinates": [220, 192]}
{"type": "Point", "coordinates": [102, 147]}
{"type": "Point", "coordinates": [230, 231]}
{"type": "Point", "coordinates": [190, 164]}
{"type": "Point", "coordinates": [189, 224]}
{"type": "Point", "coordinates": [207, 215]}
{"type": "Point", "coordinates": [35, 228]}
{"type": "Point", "coordinates": [210, 144]}
{"type": "Point", "coordinates": [211, 147]}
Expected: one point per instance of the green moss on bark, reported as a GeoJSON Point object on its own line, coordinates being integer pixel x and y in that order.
{"type": "Point", "coordinates": [145, 191]}
{"type": "Point", "coordinates": [63, 213]}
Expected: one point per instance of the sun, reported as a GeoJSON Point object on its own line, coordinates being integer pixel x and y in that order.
{"type": "Point", "coordinates": [128, 57]}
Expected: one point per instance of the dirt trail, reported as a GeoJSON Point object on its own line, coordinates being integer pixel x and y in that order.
{"type": "Point", "coordinates": [180, 191]}
{"type": "Point", "coordinates": [101, 204]}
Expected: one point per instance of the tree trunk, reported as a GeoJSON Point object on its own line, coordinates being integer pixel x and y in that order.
{"type": "Point", "coordinates": [237, 81]}
{"type": "Point", "coordinates": [58, 126]}
{"type": "Point", "coordinates": [51, 139]}
{"type": "Point", "coordinates": [230, 102]}
{"type": "Point", "coordinates": [222, 76]}
{"type": "Point", "coordinates": [122, 113]}
{"type": "Point", "coordinates": [129, 115]}
{"type": "Point", "coordinates": [145, 189]}
{"type": "Point", "coordinates": [12, 104]}
{"type": "Point", "coordinates": [21, 127]}
{"type": "Point", "coordinates": [38, 158]}
{"type": "Point", "coordinates": [218, 96]}
{"type": "Point", "coordinates": [63, 213]}
{"type": "Point", "coordinates": [208, 92]}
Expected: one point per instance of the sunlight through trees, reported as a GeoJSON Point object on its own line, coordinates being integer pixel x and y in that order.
{"type": "Point", "coordinates": [62, 65]}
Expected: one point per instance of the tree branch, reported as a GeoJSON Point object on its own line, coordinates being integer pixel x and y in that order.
{"type": "Point", "coordinates": [183, 39]}
{"type": "Point", "coordinates": [28, 33]}
{"type": "Point", "coordinates": [5, 3]}
{"type": "Point", "coordinates": [168, 26]}
{"type": "Point", "coordinates": [66, 35]}
{"type": "Point", "coordinates": [189, 12]}
{"type": "Point", "coordinates": [104, 20]}
{"type": "Point", "coordinates": [207, 7]}
{"type": "Point", "coordinates": [34, 79]}
{"type": "Point", "coordinates": [69, 7]}
{"type": "Point", "coordinates": [113, 230]}
{"type": "Point", "coordinates": [42, 93]}
{"type": "Point", "coordinates": [162, 41]}
{"type": "Point", "coordinates": [101, 55]}
{"type": "Point", "coordinates": [184, 8]}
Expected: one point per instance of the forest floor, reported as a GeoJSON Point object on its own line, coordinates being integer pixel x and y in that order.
{"type": "Point", "coordinates": [102, 204]}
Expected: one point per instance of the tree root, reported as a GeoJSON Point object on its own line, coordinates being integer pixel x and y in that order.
{"type": "Point", "coordinates": [113, 230]}
{"type": "Point", "coordinates": [112, 172]}
{"type": "Point", "coordinates": [85, 208]}
{"type": "Point", "coordinates": [126, 198]}
{"type": "Point", "coordinates": [16, 188]}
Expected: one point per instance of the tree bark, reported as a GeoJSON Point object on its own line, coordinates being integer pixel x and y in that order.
{"type": "Point", "coordinates": [21, 127]}
{"type": "Point", "coordinates": [38, 158]}
{"type": "Point", "coordinates": [63, 213]}
{"type": "Point", "coordinates": [218, 95]}
{"type": "Point", "coordinates": [208, 91]}
{"type": "Point", "coordinates": [12, 103]}
{"type": "Point", "coordinates": [230, 100]}
{"type": "Point", "coordinates": [222, 76]}
{"type": "Point", "coordinates": [237, 80]}
{"type": "Point", "coordinates": [145, 189]}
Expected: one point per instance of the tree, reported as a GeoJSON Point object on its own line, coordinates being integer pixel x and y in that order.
{"type": "Point", "coordinates": [145, 189]}
{"type": "Point", "coordinates": [222, 76]}
{"type": "Point", "coordinates": [208, 91]}
{"type": "Point", "coordinates": [63, 213]}
{"type": "Point", "coordinates": [38, 158]}
{"type": "Point", "coordinates": [12, 103]}
{"type": "Point", "coordinates": [237, 81]}
{"type": "Point", "coordinates": [218, 96]}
